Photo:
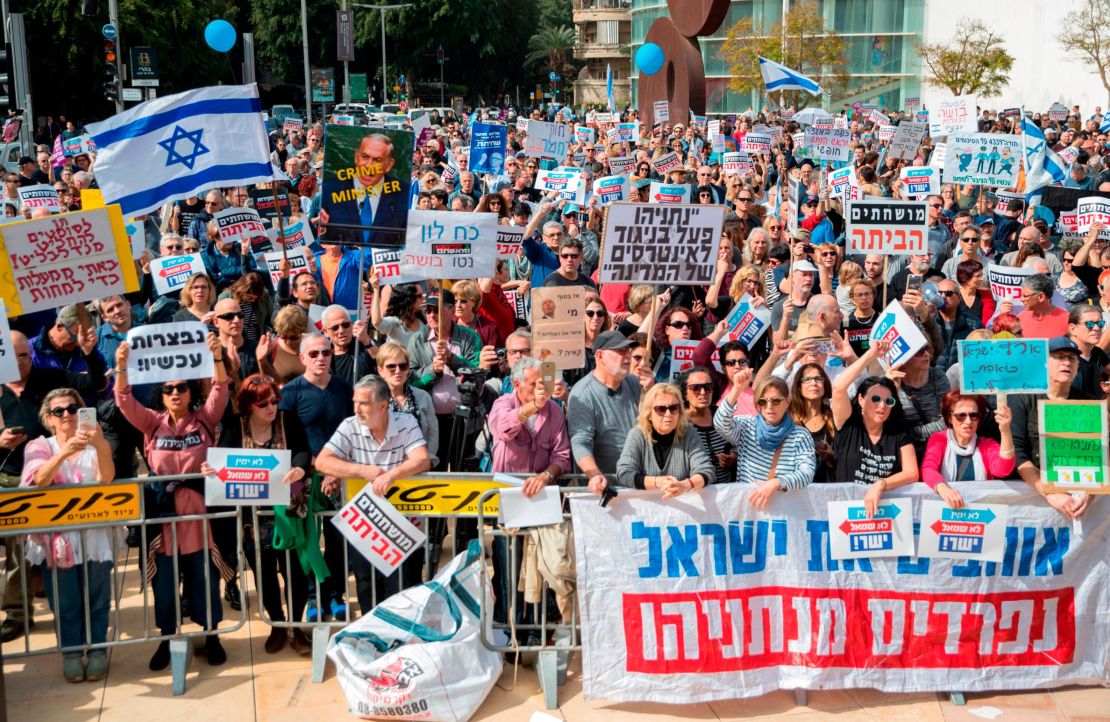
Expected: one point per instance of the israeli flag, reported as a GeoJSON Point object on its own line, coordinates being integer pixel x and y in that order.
{"type": "Point", "coordinates": [609, 88]}
{"type": "Point", "coordinates": [1104, 124]}
{"type": "Point", "coordinates": [780, 77]}
{"type": "Point", "coordinates": [1042, 166]}
{"type": "Point", "coordinates": [180, 145]}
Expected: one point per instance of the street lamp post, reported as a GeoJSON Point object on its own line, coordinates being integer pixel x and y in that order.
{"type": "Point", "coordinates": [381, 9]}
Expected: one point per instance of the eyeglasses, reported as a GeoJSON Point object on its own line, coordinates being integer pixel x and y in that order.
{"type": "Point", "coordinates": [569, 256]}
{"type": "Point", "coordinates": [662, 410]}
{"type": "Point", "coordinates": [229, 316]}
{"type": "Point", "coordinates": [265, 404]}
{"type": "Point", "coordinates": [343, 325]}
{"type": "Point", "coordinates": [963, 416]}
{"type": "Point", "coordinates": [318, 352]}
{"type": "Point", "coordinates": [170, 389]}
{"type": "Point", "coordinates": [876, 399]}
{"type": "Point", "coordinates": [700, 388]}
{"type": "Point", "coordinates": [863, 294]}
{"type": "Point", "coordinates": [1091, 325]}
{"type": "Point", "coordinates": [594, 314]}
{"type": "Point", "coordinates": [396, 367]}
{"type": "Point", "coordinates": [679, 324]}
{"type": "Point", "coordinates": [174, 247]}
{"type": "Point", "coordinates": [211, 203]}
{"type": "Point", "coordinates": [740, 363]}
{"type": "Point", "coordinates": [813, 379]}
{"type": "Point", "coordinates": [969, 239]}
{"type": "Point", "coordinates": [518, 351]}
{"type": "Point", "coordinates": [774, 402]}
{"type": "Point", "coordinates": [60, 411]}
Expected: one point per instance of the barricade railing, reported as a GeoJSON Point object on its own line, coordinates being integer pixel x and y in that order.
{"type": "Point", "coordinates": [48, 513]}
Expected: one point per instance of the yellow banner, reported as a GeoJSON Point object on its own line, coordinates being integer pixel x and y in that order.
{"type": "Point", "coordinates": [30, 508]}
{"type": "Point", "coordinates": [418, 497]}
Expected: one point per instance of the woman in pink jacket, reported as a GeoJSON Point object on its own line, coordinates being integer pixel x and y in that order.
{"type": "Point", "coordinates": [177, 434]}
{"type": "Point", "coordinates": [960, 454]}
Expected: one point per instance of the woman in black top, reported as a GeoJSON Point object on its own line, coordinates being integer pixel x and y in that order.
{"type": "Point", "coordinates": [700, 396]}
{"type": "Point", "coordinates": [810, 407]}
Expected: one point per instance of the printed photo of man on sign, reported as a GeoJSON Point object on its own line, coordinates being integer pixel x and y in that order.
{"type": "Point", "coordinates": [366, 183]}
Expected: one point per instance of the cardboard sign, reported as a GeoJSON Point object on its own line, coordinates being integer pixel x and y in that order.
{"type": "Point", "coordinates": [567, 182]}
{"type": "Point", "coordinates": [682, 356]}
{"type": "Point", "coordinates": [757, 142]}
{"type": "Point", "coordinates": [386, 263]}
{"type": "Point", "coordinates": [267, 207]}
{"type": "Point", "coordinates": [1090, 210]}
{"type": "Point", "coordinates": [887, 534]}
{"type": "Point", "coordinates": [169, 352]}
{"type": "Point", "coordinates": [79, 145]}
{"type": "Point", "coordinates": [546, 140]}
{"type": "Point", "coordinates": [874, 116]}
{"type": "Point", "coordinates": [297, 234]}
{"type": "Point", "coordinates": [1013, 365]}
{"type": "Point", "coordinates": [662, 111]}
{"type": "Point", "coordinates": [378, 531]}
{"type": "Point", "coordinates": [920, 181]}
{"type": "Point", "coordinates": [1073, 445]}
{"type": "Point", "coordinates": [912, 101]}
{"type": "Point", "coordinates": [956, 115]}
{"type": "Point", "coordinates": [65, 258]}
{"type": "Point", "coordinates": [612, 189]}
{"type": "Point", "coordinates": [448, 244]}
{"type": "Point", "coordinates": [669, 193]}
{"type": "Point", "coordinates": [9, 364]}
{"type": "Point", "coordinates": [170, 273]}
{"type": "Point", "coordinates": [939, 156]}
{"type": "Point", "coordinates": [509, 240]}
{"type": "Point", "coordinates": [558, 326]}
{"type": "Point", "coordinates": [40, 196]}
{"type": "Point", "coordinates": [747, 323]}
{"type": "Point", "coordinates": [906, 140]}
{"type": "Point", "coordinates": [828, 144]}
{"type": "Point", "coordinates": [976, 531]}
{"type": "Point", "coordinates": [487, 147]}
{"type": "Point", "coordinates": [647, 243]}
{"type": "Point", "coordinates": [984, 159]}
{"type": "Point", "coordinates": [666, 163]}
{"type": "Point", "coordinates": [886, 226]}
{"type": "Point", "coordinates": [247, 477]}
{"type": "Point", "coordinates": [292, 123]}
{"type": "Point", "coordinates": [896, 326]}
{"type": "Point", "coordinates": [622, 164]}
{"type": "Point", "coordinates": [738, 163]}
{"type": "Point", "coordinates": [239, 224]}
{"type": "Point", "coordinates": [1005, 282]}
{"type": "Point", "coordinates": [297, 257]}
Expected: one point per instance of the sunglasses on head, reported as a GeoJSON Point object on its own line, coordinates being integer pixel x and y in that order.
{"type": "Point", "coordinates": [60, 411]}
{"type": "Point", "coordinates": [876, 399]}
{"type": "Point", "coordinates": [663, 410]}
{"type": "Point", "coordinates": [180, 388]}
{"type": "Point", "coordinates": [962, 416]}
{"type": "Point", "coordinates": [230, 316]}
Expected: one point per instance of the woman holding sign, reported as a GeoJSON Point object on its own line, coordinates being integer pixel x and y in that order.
{"type": "Point", "coordinates": [177, 433]}
{"type": "Point", "coordinates": [872, 447]}
{"type": "Point", "coordinates": [960, 454]}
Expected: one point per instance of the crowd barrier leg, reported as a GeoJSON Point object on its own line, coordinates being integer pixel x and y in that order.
{"type": "Point", "coordinates": [321, 633]}
{"type": "Point", "coordinates": [801, 697]}
{"type": "Point", "coordinates": [181, 656]}
{"type": "Point", "coordinates": [957, 698]}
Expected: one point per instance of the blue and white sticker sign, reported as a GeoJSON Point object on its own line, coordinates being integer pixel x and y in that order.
{"type": "Point", "coordinates": [920, 181]}
{"type": "Point", "coordinates": [171, 272]}
{"type": "Point", "coordinates": [974, 532]}
{"type": "Point", "coordinates": [889, 533]}
{"type": "Point", "coordinates": [896, 326]}
{"type": "Point", "coordinates": [611, 189]}
{"type": "Point", "coordinates": [746, 322]}
{"type": "Point", "coordinates": [247, 477]}
{"type": "Point", "coordinates": [665, 193]}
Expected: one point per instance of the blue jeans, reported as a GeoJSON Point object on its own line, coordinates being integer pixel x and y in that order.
{"type": "Point", "coordinates": [67, 601]}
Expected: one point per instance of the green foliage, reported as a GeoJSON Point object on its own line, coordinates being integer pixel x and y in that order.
{"type": "Point", "coordinates": [1086, 37]}
{"type": "Point", "coordinates": [552, 47]}
{"type": "Point", "coordinates": [974, 62]}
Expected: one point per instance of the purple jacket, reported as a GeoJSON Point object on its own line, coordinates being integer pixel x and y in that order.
{"type": "Point", "coordinates": [519, 449]}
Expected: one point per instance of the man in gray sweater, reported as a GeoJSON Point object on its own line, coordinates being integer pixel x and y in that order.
{"type": "Point", "coordinates": [602, 408]}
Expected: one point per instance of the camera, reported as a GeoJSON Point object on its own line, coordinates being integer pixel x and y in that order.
{"type": "Point", "coordinates": [808, 248]}
{"type": "Point", "coordinates": [500, 355]}
{"type": "Point", "coordinates": [470, 382]}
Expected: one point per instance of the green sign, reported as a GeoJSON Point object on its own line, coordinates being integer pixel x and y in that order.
{"type": "Point", "coordinates": [1073, 418]}
{"type": "Point", "coordinates": [1073, 445]}
{"type": "Point", "coordinates": [358, 88]}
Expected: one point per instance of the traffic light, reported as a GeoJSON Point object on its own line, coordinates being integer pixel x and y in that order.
{"type": "Point", "coordinates": [111, 71]}
{"type": "Point", "coordinates": [7, 99]}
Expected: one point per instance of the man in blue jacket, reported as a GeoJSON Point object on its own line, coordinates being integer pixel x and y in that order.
{"type": "Point", "coordinates": [337, 269]}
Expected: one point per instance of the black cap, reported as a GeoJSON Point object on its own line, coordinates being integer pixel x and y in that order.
{"type": "Point", "coordinates": [432, 299]}
{"type": "Point", "coordinates": [1063, 343]}
{"type": "Point", "coordinates": [611, 341]}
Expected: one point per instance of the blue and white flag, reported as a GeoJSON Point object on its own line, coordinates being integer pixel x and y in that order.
{"type": "Point", "coordinates": [180, 145]}
{"type": "Point", "coordinates": [1042, 166]}
{"type": "Point", "coordinates": [609, 88]}
{"type": "Point", "coordinates": [780, 77]}
{"type": "Point", "coordinates": [1104, 124]}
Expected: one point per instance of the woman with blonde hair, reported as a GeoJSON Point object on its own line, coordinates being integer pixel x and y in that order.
{"type": "Point", "coordinates": [283, 361]}
{"type": "Point", "coordinates": [850, 271]}
{"type": "Point", "coordinates": [394, 365]}
{"type": "Point", "coordinates": [198, 298]}
{"type": "Point", "coordinates": [639, 305]}
{"type": "Point", "coordinates": [659, 453]}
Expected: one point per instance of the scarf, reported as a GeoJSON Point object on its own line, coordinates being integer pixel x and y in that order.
{"type": "Point", "coordinates": [770, 437]}
{"type": "Point", "coordinates": [954, 454]}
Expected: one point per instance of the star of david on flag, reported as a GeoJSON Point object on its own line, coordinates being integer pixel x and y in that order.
{"type": "Point", "coordinates": [182, 145]}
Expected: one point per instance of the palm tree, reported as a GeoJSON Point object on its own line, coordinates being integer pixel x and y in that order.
{"type": "Point", "coordinates": [553, 46]}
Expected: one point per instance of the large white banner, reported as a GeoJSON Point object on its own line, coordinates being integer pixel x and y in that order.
{"type": "Point", "coordinates": [700, 598]}
{"type": "Point", "coordinates": [448, 244]}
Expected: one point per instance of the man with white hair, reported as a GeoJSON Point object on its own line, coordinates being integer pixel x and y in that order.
{"type": "Point", "coordinates": [342, 332]}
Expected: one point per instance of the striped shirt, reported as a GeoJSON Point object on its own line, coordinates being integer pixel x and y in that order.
{"type": "Point", "coordinates": [353, 442]}
{"type": "Point", "coordinates": [796, 465]}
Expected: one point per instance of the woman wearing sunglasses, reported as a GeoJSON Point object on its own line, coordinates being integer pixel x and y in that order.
{"type": "Point", "coordinates": [394, 365]}
{"type": "Point", "coordinates": [259, 425]}
{"type": "Point", "coordinates": [960, 454]}
{"type": "Point", "coordinates": [659, 452]}
{"type": "Point", "coordinates": [872, 446]}
{"type": "Point", "coordinates": [700, 394]}
{"type": "Point", "coordinates": [775, 454]}
{"type": "Point", "coordinates": [178, 430]}
{"type": "Point", "coordinates": [675, 324]}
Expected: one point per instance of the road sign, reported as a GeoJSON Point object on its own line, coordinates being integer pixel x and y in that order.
{"type": "Point", "coordinates": [109, 31]}
{"type": "Point", "coordinates": [132, 94]}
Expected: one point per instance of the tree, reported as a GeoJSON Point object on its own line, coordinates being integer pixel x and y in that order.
{"type": "Point", "coordinates": [1086, 36]}
{"type": "Point", "coordinates": [800, 41]}
{"type": "Point", "coordinates": [553, 47]}
{"type": "Point", "coordinates": [974, 62]}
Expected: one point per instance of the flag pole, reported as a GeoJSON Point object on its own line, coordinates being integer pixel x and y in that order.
{"type": "Point", "coordinates": [280, 221]}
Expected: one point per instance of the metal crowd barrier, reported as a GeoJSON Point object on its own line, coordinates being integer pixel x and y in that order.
{"type": "Point", "coordinates": [111, 506]}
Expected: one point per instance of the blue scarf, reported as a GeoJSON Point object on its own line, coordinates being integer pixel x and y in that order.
{"type": "Point", "coordinates": [770, 437]}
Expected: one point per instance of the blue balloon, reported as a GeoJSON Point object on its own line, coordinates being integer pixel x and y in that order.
{"type": "Point", "coordinates": [220, 35]}
{"type": "Point", "coordinates": [649, 58]}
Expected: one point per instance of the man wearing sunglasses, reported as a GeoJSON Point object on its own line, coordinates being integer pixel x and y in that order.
{"type": "Point", "coordinates": [967, 243]}
{"type": "Point", "coordinates": [570, 260]}
{"type": "Point", "coordinates": [342, 333]}
{"type": "Point", "coordinates": [1085, 327]}
{"type": "Point", "coordinates": [240, 353]}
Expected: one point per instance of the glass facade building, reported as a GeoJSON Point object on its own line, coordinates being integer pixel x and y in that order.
{"type": "Point", "coordinates": [883, 66]}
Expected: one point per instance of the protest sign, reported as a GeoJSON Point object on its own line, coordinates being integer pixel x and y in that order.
{"type": "Point", "coordinates": [738, 163]}
{"type": "Point", "coordinates": [971, 532]}
{"type": "Point", "coordinates": [746, 322]}
{"type": "Point", "coordinates": [757, 143]}
{"type": "Point", "coordinates": [920, 181]}
{"type": "Point", "coordinates": [296, 233]}
{"type": "Point", "coordinates": [521, 125]}
{"type": "Point", "coordinates": [67, 258]}
{"type": "Point", "coordinates": [890, 227]}
{"type": "Point", "coordinates": [1093, 209]}
{"type": "Point", "coordinates": [646, 243]}
{"type": "Point", "coordinates": [546, 140]}
{"type": "Point", "coordinates": [1058, 112]}
{"type": "Point", "coordinates": [828, 143]}
{"type": "Point", "coordinates": [567, 182]}
{"type": "Point", "coordinates": [267, 207]}
{"type": "Point", "coordinates": [622, 164]}
{"type": "Point", "coordinates": [896, 327]}
{"type": "Point", "coordinates": [1069, 155]}
{"type": "Point", "coordinates": [1005, 282]}
{"type": "Point", "coordinates": [885, 132]}
{"type": "Point", "coordinates": [603, 117]}
{"type": "Point", "coordinates": [449, 244]}
{"type": "Point", "coordinates": [169, 352]}
{"type": "Point", "coordinates": [921, 116]}
{"type": "Point", "coordinates": [855, 535]}
{"type": "Point", "coordinates": [292, 123]}
{"type": "Point", "coordinates": [516, 300]}
{"type": "Point", "coordinates": [378, 531]}
{"type": "Point", "coordinates": [247, 477]}
{"type": "Point", "coordinates": [912, 101]}
{"type": "Point", "coordinates": [709, 599]}
{"type": "Point", "coordinates": [386, 264]}
{"type": "Point", "coordinates": [243, 224]}
{"type": "Point", "coordinates": [984, 159]}
{"type": "Point", "coordinates": [297, 258]}
{"type": "Point", "coordinates": [9, 364]}
{"type": "Point", "coordinates": [955, 115]}
{"type": "Point", "coordinates": [170, 273]}
{"type": "Point", "coordinates": [487, 147]}
{"type": "Point", "coordinates": [666, 163]}
{"type": "Point", "coordinates": [628, 132]}
{"type": "Point", "coordinates": [612, 189]}
{"type": "Point", "coordinates": [668, 193]}
{"type": "Point", "coordinates": [79, 145]}
{"type": "Point", "coordinates": [907, 139]}
{"type": "Point", "coordinates": [662, 111]}
{"type": "Point", "coordinates": [1073, 443]}
{"type": "Point", "coordinates": [361, 164]}
{"type": "Point", "coordinates": [508, 241]}
{"type": "Point", "coordinates": [877, 118]}
{"type": "Point", "coordinates": [343, 119]}
{"type": "Point", "coordinates": [682, 356]}
{"type": "Point", "coordinates": [1002, 199]}
{"type": "Point", "coordinates": [583, 134]}
{"type": "Point", "coordinates": [558, 328]}
{"type": "Point", "coordinates": [939, 155]}
{"type": "Point", "coordinates": [1014, 365]}
{"type": "Point", "coordinates": [844, 183]}
{"type": "Point", "coordinates": [40, 196]}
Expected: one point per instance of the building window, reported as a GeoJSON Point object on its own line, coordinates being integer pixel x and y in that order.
{"type": "Point", "coordinates": [608, 32]}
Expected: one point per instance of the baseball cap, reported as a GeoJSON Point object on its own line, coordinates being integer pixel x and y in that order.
{"type": "Point", "coordinates": [611, 341]}
{"type": "Point", "coordinates": [432, 299]}
{"type": "Point", "coordinates": [1062, 343]}
{"type": "Point", "coordinates": [804, 266]}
